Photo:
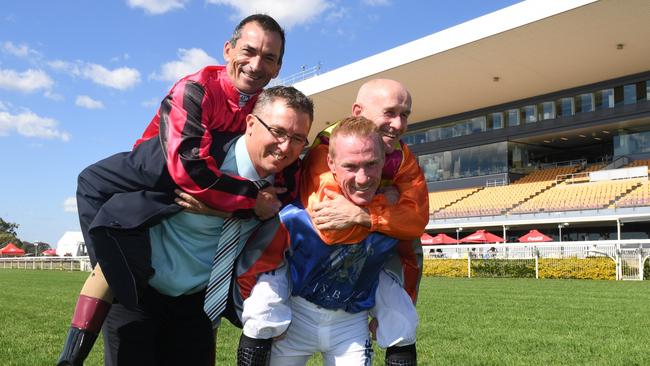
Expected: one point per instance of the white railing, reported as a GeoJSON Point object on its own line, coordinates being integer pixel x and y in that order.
{"type": "Point", "coordinates": [629, 256]}
{"type": "Point", "coordinates": [303, 74]}
{"type": "Point", "coordinates": [47, 263]}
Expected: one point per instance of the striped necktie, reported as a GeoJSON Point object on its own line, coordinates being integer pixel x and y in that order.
{"type": "Point", "coordinates": [216, 294]}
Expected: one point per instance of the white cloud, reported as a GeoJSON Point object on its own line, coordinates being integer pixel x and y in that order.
{"type": "Point", "coordinates": [70, 205]}
{"type": "Point", "coordinates": [121, 78]}
{"type": "Point", "coordinates": [338, 14]}
{"type": "Point", "coordinates": [26, 81]}
{"type": "Point", "coordinates": [88, 102]}
{"type": "Point", "coordinates": [189, 62]}
{"type": "Point", "coordinates": [156, 7]}
{"type": "Point", "coordinates": [376, 2]}
{"type": "Point", "coordinates": [53, 96]}
{"type": "Point", "coordinates": [287, 12]}
{"type": "Point", "coordinates": [18, 50]}
{"type": "Point", "coordinates": [29, 124]}
{"type": "Point", "coordinates": [65, 66]}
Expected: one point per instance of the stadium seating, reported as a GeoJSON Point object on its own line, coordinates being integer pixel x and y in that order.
{"type": "Point", "coordinates": [638, 197]}
{"type": "Point", "coordinates": [563, 188]}
{"type": "Point", "coordinates": [442, 199]}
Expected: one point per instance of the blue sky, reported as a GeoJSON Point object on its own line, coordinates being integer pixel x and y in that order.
{"type": "Point", "coordinates": [80, 80]}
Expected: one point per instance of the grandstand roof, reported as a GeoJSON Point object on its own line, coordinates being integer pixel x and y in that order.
{"type": "Point", "coordinates": [528, 49]}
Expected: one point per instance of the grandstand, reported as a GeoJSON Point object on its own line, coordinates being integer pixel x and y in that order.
{"type": "Point", "coordinates": [536, 116]}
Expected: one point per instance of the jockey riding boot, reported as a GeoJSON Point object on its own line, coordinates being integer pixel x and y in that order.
{"type": "Point", "coordinates": [87, 320]}
{"type": "Point", "coordinates": [401, 356]}
{"type": "Point", "coordinates": [253, 352]}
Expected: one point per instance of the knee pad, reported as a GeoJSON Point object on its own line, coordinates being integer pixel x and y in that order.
{"type": "Point", "coordinates": [401, 356]}
{"type": "Point", "coordinates": [253, 352]}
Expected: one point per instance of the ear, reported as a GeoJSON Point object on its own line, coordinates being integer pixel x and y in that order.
{"type": "Point", "coordinates": [330, 163]}
{"type": "Point", "coordinates": [227, 47]}
{"type": "Point", "coordinates": [356, 109]}
{"type": "Point", "coordinates": [250, 120]}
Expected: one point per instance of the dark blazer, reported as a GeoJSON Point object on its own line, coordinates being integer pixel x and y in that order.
{"type": "Point", "coordinates": [120, 197]}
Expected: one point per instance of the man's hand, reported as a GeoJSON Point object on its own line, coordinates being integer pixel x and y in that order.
{"type": "Point", "coordinates": [191, 204]}
{"type": "Point", "coordinates": [268, 204]}
{"type": "Point", "coordinates": [336, 213]}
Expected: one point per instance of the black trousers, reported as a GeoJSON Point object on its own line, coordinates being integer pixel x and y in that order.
{"type": "Point", "coordinates": [162, 330]}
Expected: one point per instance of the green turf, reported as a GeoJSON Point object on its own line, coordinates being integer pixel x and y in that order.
{"type": "Point", "coordinates": [462, 321]}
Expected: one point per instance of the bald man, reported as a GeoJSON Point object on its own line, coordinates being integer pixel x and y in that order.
{"type": "Point", "coordinates": [401, 211]}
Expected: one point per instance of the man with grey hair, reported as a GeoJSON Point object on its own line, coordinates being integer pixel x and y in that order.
{"type": "Point", "coordinates": [183, 147]}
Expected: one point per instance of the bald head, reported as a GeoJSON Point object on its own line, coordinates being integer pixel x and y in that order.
{"type": "Point", "coordinates": [387, 103]}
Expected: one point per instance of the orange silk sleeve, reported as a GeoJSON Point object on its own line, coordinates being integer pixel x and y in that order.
{"type": "Point", "coordinates": [407, 219]}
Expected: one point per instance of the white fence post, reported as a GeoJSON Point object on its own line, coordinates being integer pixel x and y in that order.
{"type": "Point", "coordinates": [640, 264]}
{"type": "Point", "coordinates": [536, 263]}
{"type": "Point", "coordinates": [619, 265]}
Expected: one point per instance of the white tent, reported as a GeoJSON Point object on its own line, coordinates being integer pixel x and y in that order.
{"type": "Point", "coordinates": [71, 244]}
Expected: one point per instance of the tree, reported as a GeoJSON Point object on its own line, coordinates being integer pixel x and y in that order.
{"type": "Point", "coordinates": [8, 227]}
{"type": "Point", "coordinates": [8, 233]}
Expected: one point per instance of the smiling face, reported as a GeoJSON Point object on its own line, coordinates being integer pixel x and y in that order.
{"type": "Point", "coordinates": [268, 154]}
{"type": "Point", "coordinates": [254, 59]}
{"type": "Point", "coordinates": [388, 104]}
{"type": "Point", "coordinates": [357, 166]}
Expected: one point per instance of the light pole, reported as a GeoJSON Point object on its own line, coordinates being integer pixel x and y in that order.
{"type": "Point", "coordinates": [559, 227]}
{"type": "Point", "coordinates": [458, 230]}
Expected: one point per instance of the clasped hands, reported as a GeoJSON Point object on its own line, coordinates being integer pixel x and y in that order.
{"type": "Point", "coordinates": [267, 203]}
{"type": "Point", "coordinates": [337, 213]}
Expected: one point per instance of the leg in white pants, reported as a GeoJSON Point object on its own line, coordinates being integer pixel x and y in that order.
{"type": "Point", "coordinates": [395, 313]}
{"type": "Point", "coordinates": [266, 312]}
{"type": "Point", "coordinates": [342, 337]}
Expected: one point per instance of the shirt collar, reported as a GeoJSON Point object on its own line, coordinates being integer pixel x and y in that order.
{"type": "Point", "coordinates": [234, 95]}
{"type": "Point", "coordinates": [245, 167]}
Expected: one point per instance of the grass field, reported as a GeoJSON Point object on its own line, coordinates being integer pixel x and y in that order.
{"type": "Point", "coordinates": [462, 321]}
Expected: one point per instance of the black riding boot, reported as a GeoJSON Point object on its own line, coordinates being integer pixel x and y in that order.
{"type": "Point", "coordinates": [401, 356]}
{"type": "Point", "coordinates": [77, 347]}
{"type": "Point", "coordinates": [253, 352]}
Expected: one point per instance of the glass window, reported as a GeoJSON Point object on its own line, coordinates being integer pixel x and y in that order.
{"type": "Point", "coordinates": [629, 94]}
{"type": "Point", "coordinates": [434, 134]}
{"type": "Point", "coordinates": [415, 138]}
{"type": "Point", "coordinates": [518, 155]}
{"type": "Point", "coordinates": [547, 110]}
{"type": "Point", "coordinates": [585, 103]}
{"type": "Point", "coordinates": [605, 99]}
{"type": "Point", "coordinates": [460, 129]}
{"type": "Point", "coordinates": [566, 107]}
{"type": "Point", "coordinates": [530, 113]}
{"type": "Point", "coordinates": [495, 121]}
{"type": "Point", "coordinates": [467, 162]}
{"type": "Point", "coordinates": [513, 117]}
{"type": "Point", "coordinates": [635, 143]}
{"type": "Point", "coordinates": [478, 124]}
{"type": "Point", "coordinates": [647, 89]}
